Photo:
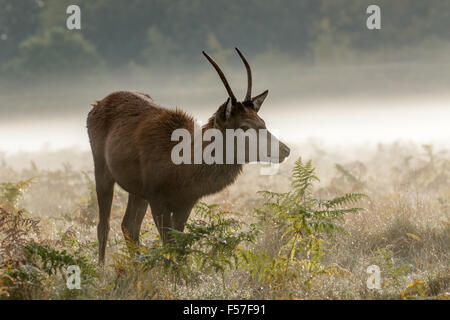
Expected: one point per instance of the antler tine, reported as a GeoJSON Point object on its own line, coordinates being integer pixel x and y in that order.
{"type": "Point", "coordinates": [248, 95]}
{"type": "Point", "coordinates": [222, 77]}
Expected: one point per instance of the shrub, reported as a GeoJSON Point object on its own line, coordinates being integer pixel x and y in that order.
{"type": "Point", "coordinates": [26, 265]}
{"type": "Point", "coordinates": [16, 230]}
{"type": "Point", "coordinates": [302, 220]}
{"type": "Point", "coordinates": [210, 244]}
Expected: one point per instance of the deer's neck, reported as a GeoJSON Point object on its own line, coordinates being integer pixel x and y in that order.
{"type": "Point", "coordinates": [215, 177]}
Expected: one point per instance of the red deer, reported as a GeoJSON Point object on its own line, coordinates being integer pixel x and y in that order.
{"type": "Point", "coordinates": [130, 137]}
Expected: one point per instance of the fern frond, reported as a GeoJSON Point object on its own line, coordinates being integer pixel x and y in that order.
{"type": "Point", "coordinates": [347, 199]}
{"type": "Point", "coordinates": [303, 177]}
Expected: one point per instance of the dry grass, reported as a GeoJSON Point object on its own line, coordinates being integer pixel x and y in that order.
{"type": "Point", "coordinates": [404, 229]}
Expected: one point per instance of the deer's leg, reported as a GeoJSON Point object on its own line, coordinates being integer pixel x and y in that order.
{"type": "Point", "coordinates": [163, 221]}
{"type": "Point", "coordinates": [132, 221]}
{"type": "Point", "coordinates": [180, 217]}
{"type": "Point", "coordinates": [105, 190]}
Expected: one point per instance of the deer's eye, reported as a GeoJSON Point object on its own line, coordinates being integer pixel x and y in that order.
{"type": "Point", "coordinates": [245, 128]}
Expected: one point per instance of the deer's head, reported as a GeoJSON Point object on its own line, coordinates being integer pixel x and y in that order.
{"type": "Point", "coordinates": [241, 116]}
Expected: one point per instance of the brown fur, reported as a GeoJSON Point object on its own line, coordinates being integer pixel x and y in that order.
{"type": "Point", "coordinates": [130, 137]}
{"type": "Point", "coordinates": [130, 140]}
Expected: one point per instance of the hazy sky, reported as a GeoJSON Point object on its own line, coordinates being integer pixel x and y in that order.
{"type": "Point", "coordinates": [338, 82]}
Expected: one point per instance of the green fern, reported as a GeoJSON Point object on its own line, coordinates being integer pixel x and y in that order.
{"type": "Point", "coordinates": [52, 261]}
{"type": "Point", "coordinates": [210, 244]}
{"type": "Point", "coordinates": [303, 220]}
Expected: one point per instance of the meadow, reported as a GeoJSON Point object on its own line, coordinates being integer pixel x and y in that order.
{"type": "Point", "coordinates": [308, 232]}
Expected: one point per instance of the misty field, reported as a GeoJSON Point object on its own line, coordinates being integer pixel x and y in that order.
{"type": "Point", "coordinates": [301, 238]}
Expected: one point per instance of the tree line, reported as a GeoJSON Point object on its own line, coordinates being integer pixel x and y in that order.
{"type": "Point", "coordinates": [156, 33]}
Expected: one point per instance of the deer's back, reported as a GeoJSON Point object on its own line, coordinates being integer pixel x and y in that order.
{"type": "Point", "coordinates": [131, 134]}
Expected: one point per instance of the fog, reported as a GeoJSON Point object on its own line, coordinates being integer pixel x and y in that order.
{"type": "Point", "coordinates": [339, 106]}
{"type": "Point", "coordinates": [330, 79]}
{"type": "Point", "coordinates": [340, 122]}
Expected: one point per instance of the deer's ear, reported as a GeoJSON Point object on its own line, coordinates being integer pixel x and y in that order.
{"type": "Point", "coordinates": [228, 109]}
{"type": "Point", "coordinates": [259, 99]}
{"type": "Point", "coordinates": [224, 112]}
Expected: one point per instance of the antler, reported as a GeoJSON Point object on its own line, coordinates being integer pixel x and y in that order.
{"type": "Point", "coordinates": [248, 95]}
{"type": "Point", "coordinates": [222, 77]}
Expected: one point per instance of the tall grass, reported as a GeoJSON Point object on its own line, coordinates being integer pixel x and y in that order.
{"type": "Point", "coordinates": [301, 238]}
